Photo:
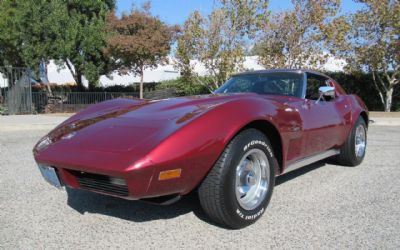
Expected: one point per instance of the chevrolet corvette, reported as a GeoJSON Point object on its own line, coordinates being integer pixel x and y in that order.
{"type": "Point", "coordinates": [228, 146]}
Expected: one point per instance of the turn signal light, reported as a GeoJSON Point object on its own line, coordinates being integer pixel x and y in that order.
{"type": "Point", "coordinates": [169, 174]}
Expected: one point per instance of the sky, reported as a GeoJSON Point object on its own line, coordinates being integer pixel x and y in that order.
{"type": "Point", "coordinates": [176, 11]}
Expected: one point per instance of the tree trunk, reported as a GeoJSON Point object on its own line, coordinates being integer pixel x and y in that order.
{"type": "Point", "coordinates": [388, 99]}
{"type": "Point", "coordinates": [76, 74]}
{"type": "Point", "coordinates": [49, 92]}
{"type": "Point", "coordinates": [380, 92]}
{"type": "Point", "coordinates": [141, 83]}
{"type": "Point", "coordinates": [78, 79]}
{"type": "Point", "coordinates": [43, 77]}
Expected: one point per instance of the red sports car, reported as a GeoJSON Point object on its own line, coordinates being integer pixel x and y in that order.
{"type": "Point", "coordinates": [229, 146]}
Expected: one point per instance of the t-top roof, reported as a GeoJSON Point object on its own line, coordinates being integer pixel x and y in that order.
{"type": "Point", "coordinates": [299, 71]}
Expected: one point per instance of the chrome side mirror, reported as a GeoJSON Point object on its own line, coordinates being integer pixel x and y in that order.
{"type": "Point", "coordinates": [326, 91]}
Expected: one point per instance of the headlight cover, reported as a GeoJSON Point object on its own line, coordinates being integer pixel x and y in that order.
{"type": "Point", "coordinates": [43, 143]}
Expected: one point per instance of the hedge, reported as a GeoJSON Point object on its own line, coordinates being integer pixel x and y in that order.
{"type": "Point", "coordinates": [149, 86]}
{"type": "Point", "coordinates": [360, 84]}
{"type": "Point", "coordinates": [363, 86]}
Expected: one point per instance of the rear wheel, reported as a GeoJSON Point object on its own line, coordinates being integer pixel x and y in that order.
{"type": "Point", "coordinates": [353, 150]}
{"type": "Point", "coordinates": [238, 188]}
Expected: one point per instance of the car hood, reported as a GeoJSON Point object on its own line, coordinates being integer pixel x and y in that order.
{"type": "Point", "coordinates": [129, 125]}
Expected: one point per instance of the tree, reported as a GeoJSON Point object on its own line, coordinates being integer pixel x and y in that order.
{"type": "Point", "coordinates": [293, 38]}
{"type": "Point", "coordinates": [138, 41]}
{"type": "Point", "coordinates": [229, 30]}
{"type": "Point", "coordinates": [219, 40]}
{"type": "Point", "coordinates": [369, 40]}
{"type": "Point", "coordinates": [85, 39]}
{"type": "Point", "coordinates": [71, 32]}
{"type": "Point", "coordinates": [9, 42]}
{"type": "Point", "coordinates": [187, 45]}
{"type": "Point", "coordinates": [27, 36]}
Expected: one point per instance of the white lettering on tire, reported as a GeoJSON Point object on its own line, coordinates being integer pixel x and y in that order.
{"type": "Point", "coordinates": [239, 213]}
{"type": "Point", "coordinates": [250, 217]}
{"type": "Point", "coordinates": [262, 143]}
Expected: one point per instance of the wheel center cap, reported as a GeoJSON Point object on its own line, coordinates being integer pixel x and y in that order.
{"type": "Point", "coordinates": [250, 178]}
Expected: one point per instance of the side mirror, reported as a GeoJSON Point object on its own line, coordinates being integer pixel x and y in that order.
{"type": "Point", "coordinates": [326, 91]}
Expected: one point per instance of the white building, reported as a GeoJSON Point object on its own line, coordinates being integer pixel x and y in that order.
{"type": "Point", "coordinates": [162, 72]}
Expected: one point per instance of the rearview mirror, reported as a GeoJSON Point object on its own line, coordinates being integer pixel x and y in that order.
{"type": "Point", "coordinates": [326, 91]}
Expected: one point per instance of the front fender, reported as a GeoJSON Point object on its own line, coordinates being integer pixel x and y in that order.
{"type": "Point", "coordinates": [197, 146]}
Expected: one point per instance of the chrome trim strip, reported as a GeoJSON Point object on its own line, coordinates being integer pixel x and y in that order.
{"type": "Point", "coordinates": [311, 159]}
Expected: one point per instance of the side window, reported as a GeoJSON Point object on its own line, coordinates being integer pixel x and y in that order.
{"type": "Point", "coordinates": [313, 84]}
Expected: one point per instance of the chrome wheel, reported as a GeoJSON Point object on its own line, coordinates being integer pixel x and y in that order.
{"type": "Point", "coordinates": [252, 176]}
{"type": "Point", "coordinates": [360, 141]}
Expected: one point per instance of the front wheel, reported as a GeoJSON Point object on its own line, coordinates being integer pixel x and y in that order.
{"type": "Point", "coordinates": [353, 150]}
{"type": "Point", "coordinates": [238, 188]}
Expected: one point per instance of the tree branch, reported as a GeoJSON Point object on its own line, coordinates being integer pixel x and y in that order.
{"type": "Point", "coordinates": [377, 88]}
{"type": "Point", "coordinates": [67, 62]}
{"type": "Point", "coordinates": [396, 72]}
{"type": "Point", "coordinates": [390, 79]}
{"type": "Point", "coordinates": [381, 82]}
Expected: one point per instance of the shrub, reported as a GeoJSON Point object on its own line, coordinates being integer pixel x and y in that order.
{"type": "Point", "coordinates": [363, 86]}
{"type": "Point", "coordinates": [134, 87]}
{"type": "Point", "coordinates": [186, 87]}
{"type": "Point", "coordinates": [359, 84]}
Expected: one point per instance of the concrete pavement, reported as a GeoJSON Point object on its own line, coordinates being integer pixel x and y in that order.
{"type": "Point", "coordinates": [320, 206]}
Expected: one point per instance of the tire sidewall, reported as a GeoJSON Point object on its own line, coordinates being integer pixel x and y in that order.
{"type": "Point", "coordinates": [357, 160]}
{"type": "Point", "coordinates": [240, 215]}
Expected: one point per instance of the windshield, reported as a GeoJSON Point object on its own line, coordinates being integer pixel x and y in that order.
{"type": "Point", "coordinates": [280, 83]}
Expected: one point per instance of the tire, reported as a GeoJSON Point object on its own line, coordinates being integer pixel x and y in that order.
{"type": "Point", "coordinates": [348, 155]}
{"type": "Point", "coordinates": [223, 193]}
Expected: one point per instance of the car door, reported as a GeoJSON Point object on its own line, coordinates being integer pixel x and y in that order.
{"type": "Point", "coordinates": [322, 122]}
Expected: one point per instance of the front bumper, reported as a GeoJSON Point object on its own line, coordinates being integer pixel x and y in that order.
{"type": "Point", "coordinates": [127, 186]}
{"type": "Point", "coordinates": [142, 183]}
{"type": "Point", "coordinates": [50, 175]}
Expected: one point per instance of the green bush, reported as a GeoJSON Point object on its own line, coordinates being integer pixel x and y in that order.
{"type": "Point", "coordinates": [149, 86]}
{"type": "Point", "coordinates": [3, 110]}
{"type": "Point", "coordinates": [363, 86]}
{"type": "Point", "coordinates": [56, 88]}
{"type": "Point", "coordinates": [186, 87]}
{"type": "Point", "coordinates": [359, 84]}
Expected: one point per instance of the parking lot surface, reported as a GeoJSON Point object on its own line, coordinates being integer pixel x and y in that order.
{"type": "Point", "coordinates": [321, 206]}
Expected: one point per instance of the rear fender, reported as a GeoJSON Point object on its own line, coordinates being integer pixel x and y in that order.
{"type": "Point", "coordinates": [359, 109]}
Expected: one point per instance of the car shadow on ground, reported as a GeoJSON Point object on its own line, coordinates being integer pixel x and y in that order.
{"type": "Point", "coordinates": [138, 211]}
{"type": "Point", "coordinates": [301, 171]}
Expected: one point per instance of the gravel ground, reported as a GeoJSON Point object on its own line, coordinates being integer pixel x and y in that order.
{"type": "Point", "coordinates": [321, 206]}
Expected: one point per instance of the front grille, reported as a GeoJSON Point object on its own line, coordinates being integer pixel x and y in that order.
{"type": "Point", "coordinates": [101, 183]}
